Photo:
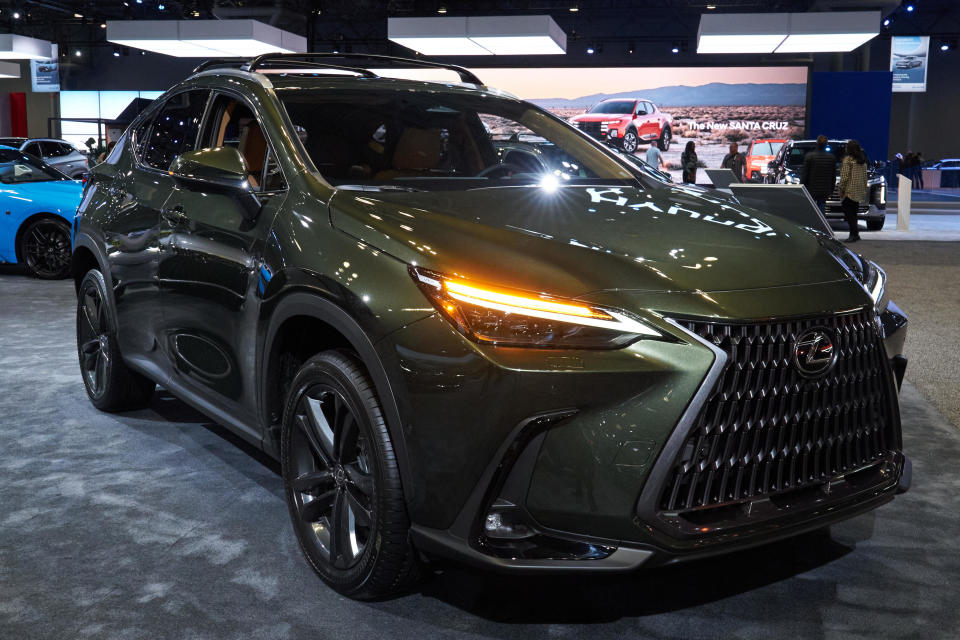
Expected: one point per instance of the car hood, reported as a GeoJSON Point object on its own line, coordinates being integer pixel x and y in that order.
{"type": "Point", "coordinates": [578, 240]}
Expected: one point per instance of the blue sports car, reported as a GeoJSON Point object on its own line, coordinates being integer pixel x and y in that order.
{"type": "Point", "coordinates": [37, 205]}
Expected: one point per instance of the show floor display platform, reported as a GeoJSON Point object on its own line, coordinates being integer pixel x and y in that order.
{"type": "Point", "coordinates": [158, 524]}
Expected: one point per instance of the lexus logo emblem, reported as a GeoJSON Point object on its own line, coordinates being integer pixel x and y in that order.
{"type": "Point", "coordinates": [813, 352]}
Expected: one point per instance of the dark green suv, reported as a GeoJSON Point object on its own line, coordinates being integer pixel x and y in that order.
{"type": "Point", "coordinates": [467, 330]}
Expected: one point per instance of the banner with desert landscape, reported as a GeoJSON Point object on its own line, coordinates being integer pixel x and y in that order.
{"type": "Point", "coordinates": [712, 106]}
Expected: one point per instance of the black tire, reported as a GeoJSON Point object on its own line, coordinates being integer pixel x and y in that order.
{"type": "Point", "coordinates": [43, 246]}
{"type": "Point", "coordinates": [336, 454]}
{"type": "Point", "coordinates": [630, 141]}
{"type": "Point", "coordinates": [665, 137]}
{"type": "Point", "coordinates": [110, 385]}
{"type": "Point", "coordinates": [875, 225]}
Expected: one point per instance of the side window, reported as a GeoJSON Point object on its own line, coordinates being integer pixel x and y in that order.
{"type": "Point", "coordinates": [231, 123]}
{"type": "Point", "coordinates": [53, 149]}
{"type": "Point", "coordinates": [33, 149]}
{"type": "Point", "coordinates": [66, 149]}
{"type": "Point", "coordinates": [650, 107]}
{"type": "Point", "coordinates": [175, 128]}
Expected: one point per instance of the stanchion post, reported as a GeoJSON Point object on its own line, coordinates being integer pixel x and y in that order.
{"type": "Point", "coordinates": [904, 195]}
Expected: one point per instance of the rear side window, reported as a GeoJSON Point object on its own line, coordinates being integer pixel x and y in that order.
{"type": "Point", "coordinates": [175, 128]}
{"type": "Point", "coordinates": [33, 149]}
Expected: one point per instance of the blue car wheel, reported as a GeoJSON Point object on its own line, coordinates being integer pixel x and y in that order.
{"type": "Point", "coordinates": [44, 248]}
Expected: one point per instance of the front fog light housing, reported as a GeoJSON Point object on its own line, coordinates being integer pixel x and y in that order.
{"type": "Point", "coordinates": [510, 317]}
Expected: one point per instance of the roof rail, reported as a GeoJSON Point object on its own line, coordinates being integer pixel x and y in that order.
{"type": "Point", "coordinates": [257, 62]}
{"type": "Point", "coordinates": [217, 62]}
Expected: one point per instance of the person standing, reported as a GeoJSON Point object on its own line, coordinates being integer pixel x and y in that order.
{"type": "Point", "coordinates": [918, 175]}
{"type": "Point", "coordinates": [688, 163]}
{"type": "Point", "coordinates": [819, 174]}
{"type": "Point", "coordinates": [853, 186]}
{"type": "Point", "coordinates": [735, 162]}
{"type": "Point", "coordinates": [654, 158]}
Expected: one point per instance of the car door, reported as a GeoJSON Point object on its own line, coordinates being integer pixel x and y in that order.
{"type": "Point", "coordinates": [68, 160]}
{"type": "Point", "coordinates": [134, 231]}
{"type": "Point", "coordinates": [648, 128]}
{"type": "Point", "coordinates": [210, 267]}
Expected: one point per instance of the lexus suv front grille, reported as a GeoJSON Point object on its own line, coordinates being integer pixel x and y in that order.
{"type": "Point", "coordinates": [766, 429]}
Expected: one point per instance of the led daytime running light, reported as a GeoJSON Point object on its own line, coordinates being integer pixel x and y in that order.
{"type": "Point", "coordinates": [518, 304]}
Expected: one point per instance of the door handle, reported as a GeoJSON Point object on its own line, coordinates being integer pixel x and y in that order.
{"type": "Point", "coordinates": [175, 217]}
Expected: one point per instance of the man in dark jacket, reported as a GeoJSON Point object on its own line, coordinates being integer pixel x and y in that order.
{"type": "Point", "coordinates": [736, 162]}
{"type": "Point", "coordinates": [819, 174]}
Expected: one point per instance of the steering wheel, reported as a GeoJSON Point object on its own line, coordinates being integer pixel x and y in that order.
{"type": "Point", "coordinates": [506, 167]}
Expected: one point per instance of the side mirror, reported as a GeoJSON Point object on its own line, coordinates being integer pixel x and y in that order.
{"type": "Point", "coordinates": [220, 166]}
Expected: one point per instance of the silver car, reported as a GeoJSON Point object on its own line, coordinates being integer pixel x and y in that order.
{"type": "Point", "coordinates": [59, 154]}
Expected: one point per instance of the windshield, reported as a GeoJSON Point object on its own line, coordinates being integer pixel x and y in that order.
{"type": "Point", "coordinates": [613, 106]}
{"type": "Point", "coordinates": [766, 148]}
{"type": "Point", "coordinates": [17, 167]}
{"type": "Point", "coordinates": [431, 140]}
{"type": "Point", "coordinates": [796, 153]}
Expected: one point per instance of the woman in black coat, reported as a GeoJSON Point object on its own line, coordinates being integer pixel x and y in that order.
{"type": "Point", "coordinates": [688, 163]}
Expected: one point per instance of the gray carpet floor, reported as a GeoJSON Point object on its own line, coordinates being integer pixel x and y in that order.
{"type": "Point", "coordinates": [924, 280]}
{"type": "Point", "coordinates": [158, 524]}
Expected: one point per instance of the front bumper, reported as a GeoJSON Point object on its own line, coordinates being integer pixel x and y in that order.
{"type": "Point", "coordinates": [580, 473]}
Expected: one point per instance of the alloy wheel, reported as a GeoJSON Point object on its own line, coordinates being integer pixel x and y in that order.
{"type": "Point", "coordinates": [95, 352]}
{"type": "Point", "coordinates": [630, 142]}
{"type": "Point", "coordinates": [332, 479]}
{"type": "Point", "coordinates": [46, 248]}
{"type": "Point", "coordinates": [665, 141]}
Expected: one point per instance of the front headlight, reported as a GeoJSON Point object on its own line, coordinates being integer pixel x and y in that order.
{"type": "Point", "coordinates": [875, 282]}
{"type": "Point", "coordinates": [509, 317]}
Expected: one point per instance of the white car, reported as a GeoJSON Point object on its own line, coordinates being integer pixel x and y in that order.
{"type": "Point", "coordinates": [59, 154]}
{"type": "Point", "coordinates": [947, 163]}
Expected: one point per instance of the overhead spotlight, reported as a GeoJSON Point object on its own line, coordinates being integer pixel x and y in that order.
{"type": "Point", "coordinates": [442, 10]}
{"type": "Point", "coordinates": [590, 51]}
{"type": "Point", "coordinates": [711, 7]}
{"type": "Point", "coordinates": [16, 15]}
{"type": "Point", "coordinates": [103, 25]}
{"type": "Point", "coordinates": [78, 53]}
{"type": "Point", "coordinates": [78, 15]}
{"type": "Point", "coordinates": [161, 6]}
{"type": "Point", "coordinates": [944, 47]}
{"type": "Point", "coordinates": [909, 8]}
{"type": "Point", "coordinates": [675, 49]}
{"type": "Point", "coordinates": [116, 52]}
{"type": "Point", "coordinates": [631, 49]}
{"type": "Point", "coordinates": [886, 22]}
{"type": "Point", "coordinates": [574, 9]}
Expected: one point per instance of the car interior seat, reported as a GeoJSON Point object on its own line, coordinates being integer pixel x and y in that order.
{"type": "Point", "coordinates": [418, 152]}
{"type": "Point", "coordinates": [253, 148]}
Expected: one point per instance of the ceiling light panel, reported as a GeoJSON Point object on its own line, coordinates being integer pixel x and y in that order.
{"type": "Point", "coordinates": [475, 36]}
{"type": "Point", "coordinates": [16, 47]}
{"type": "Point", "coordinates": [9, 70]}
{"type": "Point", "coordinates": [824, 31]}
{"type": "Point", "coordinates": [204, 38]}
{"type": "Point", "coordinates": [742, 32]}
{"type": "Point", "coordinates": [517, 35]}
{"type": "Point", "coordinates": [434, 36]}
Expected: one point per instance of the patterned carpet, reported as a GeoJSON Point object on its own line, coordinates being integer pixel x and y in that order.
{"type": "Point", "coordinates": [158, 524]}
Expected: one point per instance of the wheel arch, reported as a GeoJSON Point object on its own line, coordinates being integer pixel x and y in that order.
{"type": "Point", "coordinates": [299, 310]}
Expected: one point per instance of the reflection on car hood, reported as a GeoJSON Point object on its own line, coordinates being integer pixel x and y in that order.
{"type": "Point", "coordinates": [578, 240]}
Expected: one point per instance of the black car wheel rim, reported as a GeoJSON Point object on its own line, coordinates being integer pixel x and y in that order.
{"type": "Point", "coordinates": [630, 142]}
{"type": "Point", "coordinates": [92, 337]}
{"type": "Point", "coordinates": [666, 139]}
{"type": "Point", "coordinates": [331, 477]}
{"type": "Point", "coordinates": [47, 247]}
